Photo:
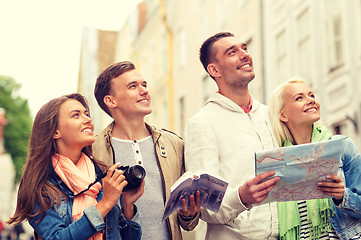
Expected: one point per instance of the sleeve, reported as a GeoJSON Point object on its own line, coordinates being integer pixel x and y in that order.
{"type": "Point", "coordinates": [189, 224]}
{"type": "Point", "coordinates": [351, 160]}
{"type": "Point", "coordinates": [52, 226]}
{"type": "Point", "coordinates": [178, 143]}
{"type": "Point", "coordinates": [130, 229]}
{"type": "Point", "coordinates": [202, 154]}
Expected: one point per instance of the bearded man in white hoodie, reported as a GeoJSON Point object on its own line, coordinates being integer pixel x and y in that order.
{"type": "Point", "coordinates": [222, 139]}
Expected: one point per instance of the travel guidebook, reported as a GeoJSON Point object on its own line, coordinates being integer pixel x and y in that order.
{"type": "Point", "coordinates": [212, 191]}
{"type": "Point", "coordinates": [300, 168]}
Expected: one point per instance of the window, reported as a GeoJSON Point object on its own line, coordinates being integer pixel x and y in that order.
{"type": "Point", "coordinates": [209, 87]}
{"type": "Point", "coordinates": [164, 52]}
{"type": "Point", "coordinates": [222, 12]}
{"type": "Point", "coordinates": [152, 65]}
{"type": "Point", "coordinates": [181, 115]}
{"type": "Point", "coordinates": [359, 14]}
{"type": "Point", "coordinates": [334, 34]}
{"type": "Point", "coordinates": [303, 46]}
{"type": "Point", "coordinates": [165, 113]}
{"type": "Point", "coordinates": [181, 47]}
{"type": "Point", "coordinates": [203, 26]}
{"type": "Point", "coordinates": [281, 57]}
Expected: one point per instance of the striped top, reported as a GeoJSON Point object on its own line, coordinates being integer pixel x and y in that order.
{"type": "Point", "coordinates": [305, 231]}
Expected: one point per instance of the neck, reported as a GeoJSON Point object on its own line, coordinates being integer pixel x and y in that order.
{"type": "Point", "coordinates": [301, 134]}
{"type": "Point", "coordinates": [240, 96]}
{"type": "Point", "coordinates": [72, 154]}
{"type": "Point", "coordinates": [133, 130]}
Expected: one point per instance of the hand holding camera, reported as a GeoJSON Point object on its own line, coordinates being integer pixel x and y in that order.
{"type": "Point", "coordinates": [133, 175]}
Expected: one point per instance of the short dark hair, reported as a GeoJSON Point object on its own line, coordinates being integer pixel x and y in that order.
{"type": "Point", "coordinates": [205, 52]}
{"type": "Point", "coordinates": [103, 83]}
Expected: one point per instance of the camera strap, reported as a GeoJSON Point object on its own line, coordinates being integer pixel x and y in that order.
{"type": "Point", "coordinates": [99, 177]}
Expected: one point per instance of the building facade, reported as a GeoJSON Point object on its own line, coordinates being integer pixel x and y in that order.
{"type": "Point", "coordinates": [319, 41]}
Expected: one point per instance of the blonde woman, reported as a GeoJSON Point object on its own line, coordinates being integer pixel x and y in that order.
{"type": "Point", "coordinates": [295, 117]}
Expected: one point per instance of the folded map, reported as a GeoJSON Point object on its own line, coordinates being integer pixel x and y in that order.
{"type": "Point", "coordinates": [300, 168]}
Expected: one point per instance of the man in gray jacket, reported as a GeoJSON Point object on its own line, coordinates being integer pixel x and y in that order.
{"type": "Point", "coordinates": [122, 93]}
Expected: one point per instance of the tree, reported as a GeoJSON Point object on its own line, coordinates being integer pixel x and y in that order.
{"type": "Point", "coordinates": [17, 131]}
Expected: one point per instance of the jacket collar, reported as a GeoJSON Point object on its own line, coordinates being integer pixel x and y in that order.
{"type": "Point", "coordinates": [153, 131]}
{"type": "Point", "coordinates": [58, 182]}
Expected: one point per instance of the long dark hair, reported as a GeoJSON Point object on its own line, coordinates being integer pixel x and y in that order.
{"type": "Point", "coordinates": [34, 184]}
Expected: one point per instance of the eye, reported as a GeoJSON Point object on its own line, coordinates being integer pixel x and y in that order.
{"type": "Point", "coordinates": [75, 115]}
{"type": "Point", "coordinates": [231, 52]}
{"type": "Point", "coordinates": [298, 98]}
{"type": "Point", "coordinates": [132, 86]}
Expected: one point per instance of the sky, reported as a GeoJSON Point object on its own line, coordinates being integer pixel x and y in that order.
{"type": "Point", "coordinates": [40, 42]}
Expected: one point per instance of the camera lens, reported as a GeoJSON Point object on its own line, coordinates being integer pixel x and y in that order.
{"type": "Point", "coordinates": [134, 175]}
{"type": "Point", "coordinates": [137, 172]}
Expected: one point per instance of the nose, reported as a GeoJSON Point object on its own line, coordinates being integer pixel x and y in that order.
{"type": "Point", "coordinates": [143, 91]}
{"type": "Point", "coordinates": [87, 119]}
{"type": "Point", "coordinates": [243, 54]}
{"type": "Point", "coordinates": [310, 100]}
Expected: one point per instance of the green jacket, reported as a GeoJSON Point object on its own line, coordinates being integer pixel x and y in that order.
{"type": "Point", "coordinates": [170, 158]}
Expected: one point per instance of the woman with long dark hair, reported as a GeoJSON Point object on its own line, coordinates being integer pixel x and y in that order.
{"type": "Point", "coordinates": [58, 192]}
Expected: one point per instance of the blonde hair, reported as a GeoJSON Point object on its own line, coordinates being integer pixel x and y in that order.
{"type": "Point", "coordinates": [276, 104]}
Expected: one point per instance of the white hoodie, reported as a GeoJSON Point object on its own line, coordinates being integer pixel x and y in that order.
{"type": "Point", "coordinates": [221, 139]}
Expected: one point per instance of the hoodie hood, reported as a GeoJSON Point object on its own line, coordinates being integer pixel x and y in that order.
{"type": "Point", "coordinates": [229, 104]}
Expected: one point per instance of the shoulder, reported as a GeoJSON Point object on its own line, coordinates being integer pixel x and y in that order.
{"type": "Point", "coordinates": [105, 132]}
{"type": "Point", "coordinates": [165, 136]}
{"type": "Point", "coordinates": [258, 106]}
{"type": "Point", "coordinates": [101, 137]}
{"type": "Point", "coordinates": [170, 134]}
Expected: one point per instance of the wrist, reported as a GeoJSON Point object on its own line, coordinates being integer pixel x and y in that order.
{"type": "Point", "coordinates": [103, 208]}
{"type": "Point", "coordinates": [128, 211]}
{"type": "Point", "coordinates": [187, 218]}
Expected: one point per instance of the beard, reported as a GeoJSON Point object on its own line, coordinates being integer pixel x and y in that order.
{"type": "Point", "coordinates": [240, 82]}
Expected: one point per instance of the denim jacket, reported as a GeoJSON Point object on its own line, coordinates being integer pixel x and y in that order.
{"type": "Point", "coordinates": [57, 222]}
{"type": "Point", "coordinates": [347, 218]}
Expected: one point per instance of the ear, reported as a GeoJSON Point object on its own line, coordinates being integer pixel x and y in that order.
{"type": "Point", "coordinates": [213, 70]}
{"type": "Point", "coordinates": [57, 135]}
{"type": "Point", "coordinates": [109, 101]}
{"type": "Point", "coordinates": [283, 117]}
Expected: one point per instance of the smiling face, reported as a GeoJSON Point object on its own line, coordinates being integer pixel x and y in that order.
{"type": "Point", "coordinates": [232, 62]}
{"type": "Point", "coordinates": [300, 106]}
{"type": "Point", "coordinates": [129, 95]}
{"type": "Point", "coordinates": [75, 128]}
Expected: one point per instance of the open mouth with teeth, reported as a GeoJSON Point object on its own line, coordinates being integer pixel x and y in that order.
{"type": "Point", "coordinates": [244, 66]}
{"type": "Point", "coordinates": [311, 110]}
{"type": "Point", "coordinates": [87, 130]}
